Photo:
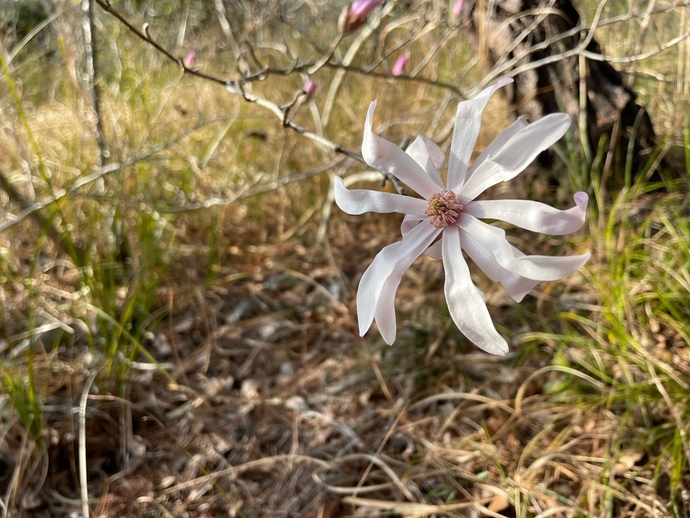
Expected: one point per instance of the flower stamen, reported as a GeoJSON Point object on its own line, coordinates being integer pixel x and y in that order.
{"type": "Point", "coordinates": [443, 209]}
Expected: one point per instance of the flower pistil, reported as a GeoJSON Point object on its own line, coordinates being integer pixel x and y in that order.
{"type": "Point", "coordinates": [443, 209]}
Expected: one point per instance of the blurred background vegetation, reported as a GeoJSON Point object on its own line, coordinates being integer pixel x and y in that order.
{"type": "Point", "coordinates": [177, 318]}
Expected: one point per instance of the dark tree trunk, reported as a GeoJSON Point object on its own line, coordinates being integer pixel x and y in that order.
{"type": "Point", "coordinates": [528, 31]}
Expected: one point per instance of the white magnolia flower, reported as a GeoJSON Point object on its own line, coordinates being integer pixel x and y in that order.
{"type": "Point", "coordinates": [448, 220]}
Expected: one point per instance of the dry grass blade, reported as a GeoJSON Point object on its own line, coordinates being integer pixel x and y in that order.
{"type": "Point", "coordinates": [413, 509]}
{"type": "Point", "coordinates": [83, 473]}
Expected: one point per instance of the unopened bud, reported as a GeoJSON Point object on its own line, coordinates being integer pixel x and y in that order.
{"type": "Point", "coordinates": [353, 17]}
{"type": "Point", "coordinates": [189, 59]}
{"type": "Point", "coordinates": [400, 65]}
{"type": "Point", "coordinates": [309, 88]}
{"type": "Point", "coordinates": [457, 8]}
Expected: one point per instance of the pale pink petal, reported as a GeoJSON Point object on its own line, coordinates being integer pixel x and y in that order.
{"type": "Point", "coordinates": [465, 301]}
{"type": "Point", "coordinates": [516, 154]}
{"type": "Point", "coordinates": [385, 156]}
{"type": "Point", "coordinates": [435, 250]}
{"type": "Point", "coordinates": [481, 253]}
{"type": "Point", "coordinates": [468, 120]}
{"type": "Point", "coordinates": [419, 151]}
{"type": "Point", "coordinates": [548, 268]}
{"type": "Point", "coordinates": [385, 308]}
{"type": "Point", "coordinates": [535, 267]}
{"type": "Point", "coordinates": [497, 144]}
{"type": "Point", "coordinates": [409, 222]}
{"type": "Point", "coordinates": [533, 215]}
{"type": "Point", "coordinates": [359, 201]}
{"type": "Point", "coordinates": [392, 260]}
{"type": "Point", "coordinates": [438, 156]}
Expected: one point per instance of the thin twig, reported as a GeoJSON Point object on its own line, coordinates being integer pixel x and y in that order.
{"type": "Point", "coordinates": [513, 67]}
{"type": "Point", "coordinates": [91, 64]}
{"type": "Point", "coordinates": [33, 210]}
{"type": "Point", "coordinates": [235, 86]}
{"type": "Point", "coordinates": [59, 238]}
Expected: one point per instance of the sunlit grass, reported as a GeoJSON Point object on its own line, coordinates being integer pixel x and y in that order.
{"type": "Point", "coordinates": [632, 336]}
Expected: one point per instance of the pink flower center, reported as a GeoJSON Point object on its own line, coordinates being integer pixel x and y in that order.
{"type": "Point", "coordinates": [443, 209]}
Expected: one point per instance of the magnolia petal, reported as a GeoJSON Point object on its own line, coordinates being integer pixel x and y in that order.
{"type": "Point", "coordinates": [391, 260]}
{"type": "Point", "coordinates": [498, 143]}
{"type": "Point", "coordinates": [532, 215]}
{"type": "Point", "coordinates": [535, 267]}
{"type": "Point", "coordinates": [385, 308]}
{"type": "Point", "coordinates": [438, 156]}
{"type": "Point", "coordinates": [548, 268]}
{"type": "Point", "coordinates": [482, 254]}
{"type": "Point", "coordinates": [419, 151]}
{"type": "Point", "coordinates": [359, 201]}
{"type": "Point", "coordinates": [516, 154]}
{"type": "Point", "coordinates": [409, 222]}
{"type": "Point", "coordinates": [435, 250]}
{"type": "Point", "coordinates": [465, 301]}
{"type": "Point", "coordinates": [385, 156]}
{"type": "Point", "coordinates": [468, 120]}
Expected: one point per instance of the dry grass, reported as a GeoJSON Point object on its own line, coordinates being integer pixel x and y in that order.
{"type": "Point", "coordinates": [204, 360]}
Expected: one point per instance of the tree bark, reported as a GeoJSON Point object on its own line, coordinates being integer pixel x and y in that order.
{"type": "Point", "coordinates": [525, 32]}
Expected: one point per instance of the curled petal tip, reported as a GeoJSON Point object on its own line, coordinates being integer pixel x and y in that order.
{"type": "Point", "coordinates": [370, 115]}
{"type": "Point", "coordinates": [503, 81]}
{"type": "Point", "coordinates": [567, 119]}
{"type": "Point", "coordinates": [581, 199]}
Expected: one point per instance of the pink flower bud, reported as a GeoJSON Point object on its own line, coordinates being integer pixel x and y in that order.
{"type": "Point", "coordinates": [189, 59]}
{"type": "Point", "coordinates": [400, 65]}
{"type": "Point", "coordinates": [309, 88]}
{"type": "Point", "coordinates": [354, 16]}
{"type": "Point", "coordinates": [457, 8]}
